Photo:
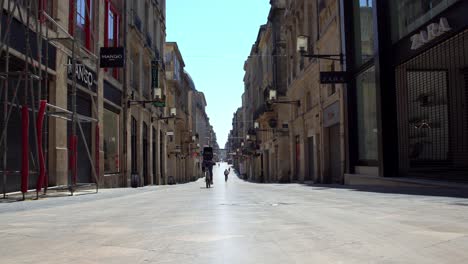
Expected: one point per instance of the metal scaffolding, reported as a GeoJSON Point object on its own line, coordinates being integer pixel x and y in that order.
{"type": "Point", "coordinates": [24, 90]}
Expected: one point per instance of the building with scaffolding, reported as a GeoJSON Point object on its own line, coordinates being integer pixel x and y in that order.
{"type": "Point", "coordinates": [64, 118]}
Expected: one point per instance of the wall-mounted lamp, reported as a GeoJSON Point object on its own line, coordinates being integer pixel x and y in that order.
{"type": "Point", "coordinates": [173, 111]}
{"type": "Point", "coordinates": [272, 99]}
{"type": "Point", "coordinates": [272, 95]}
{"type": "Point", "coordinates": [172, 114]}
{"type": "Point", "coordinates": [303, 48]}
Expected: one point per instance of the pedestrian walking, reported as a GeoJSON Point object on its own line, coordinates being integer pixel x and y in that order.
{"type": "Point", "coordinates": [226, 173]}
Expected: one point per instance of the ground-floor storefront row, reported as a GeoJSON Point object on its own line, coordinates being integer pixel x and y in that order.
{"type": "Point", "coordinates": [410, 103]}
{"type": "Point", "coordinates": [105, 120]}
{"type": "Point", "coordinates": [404, 116]}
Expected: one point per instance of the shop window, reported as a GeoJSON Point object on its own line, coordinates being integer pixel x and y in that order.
{"type": "Point", "coordinates": [367, 115]}
{"type": "Point", "coordinates": [363, 30]}
{"type": "Point", "coordinates": [81, 11]}
{"type": "Point", "coordinates": [111, 141]}
{"type": "Point", "coordinates": [409, 15]}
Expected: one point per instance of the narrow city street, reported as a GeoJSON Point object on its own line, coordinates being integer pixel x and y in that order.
{"type": "Point", "coordinates": [237, 222]}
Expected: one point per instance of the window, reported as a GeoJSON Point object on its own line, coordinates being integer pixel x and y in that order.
{"type": "Point", "coordinates": [146, 17]}
{"type": "Point", "coordinates": [146, 81]}
{"type": "Point", "coordinates": [308, 100]}
{"type": "Point", "coordinates": [367, 115]}
{"type": "Point", "coordinates": [112, 30]}
{"type": "Point", "coordinates": [136, 72]}
{"type": "Point", "coordinates": [364, 30]}
{"type": "Point", "coordinates": [111, 141]}
{"type": "Point", "coordinates": [409, 15]}
{"type": "Point", "coordinates": [81, 13]}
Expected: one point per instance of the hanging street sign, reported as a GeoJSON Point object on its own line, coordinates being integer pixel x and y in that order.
{"type": "Point", "coordinates": [159, 104]}
{"type": "Point", "coordinates": [111, 57]}
{"type": "Point", "coordinates": [333, 77]}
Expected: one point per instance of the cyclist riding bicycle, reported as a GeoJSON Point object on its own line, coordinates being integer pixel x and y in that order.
{"type": "Point", "coordinates": [208, 162]}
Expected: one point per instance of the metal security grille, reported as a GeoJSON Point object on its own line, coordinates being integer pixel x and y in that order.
{"type": "Point", "coordinates": [432, 105]}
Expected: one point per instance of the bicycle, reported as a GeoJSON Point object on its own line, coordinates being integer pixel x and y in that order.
{"type": "Point", "coordinates": [207, 179]}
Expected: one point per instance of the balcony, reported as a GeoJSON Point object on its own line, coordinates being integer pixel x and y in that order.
{"type": "Point", "coordinates": [149, 42]}
{"type": "Point", "coordinates": [156, 53]}
{"type": "Point", "coordinates": [260, 110]}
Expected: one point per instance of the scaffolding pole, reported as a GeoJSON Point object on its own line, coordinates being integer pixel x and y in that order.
{"type": "Point", "coordinates": [33, 74]}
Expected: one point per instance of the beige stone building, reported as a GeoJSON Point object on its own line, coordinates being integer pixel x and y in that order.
{"type": "Point", "coordinates": [184, 135]}
{"type": "Point", "coordinates": [123, 137]}
{"type": "Point", "coordinates": [295, 123]}
{"type": "Point", "coordinates": [265, 121]}
{"type": "Point", "coordinates": [316, 128]}
{"type": "Point", "coordinates": [146, 135]}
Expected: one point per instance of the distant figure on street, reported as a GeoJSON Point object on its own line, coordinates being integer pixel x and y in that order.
{"type": "Point", "coordinates": [226, 173]}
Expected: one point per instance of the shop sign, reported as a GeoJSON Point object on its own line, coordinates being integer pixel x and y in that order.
{"type": "Point", "coordinates": [111, 57]}
{"type": "Point", "coordinates": [331, 115]}
{"type": "Point", "coordinates": [333, 77]}
{"type": "Point", "coordinates": [159, 104]}
{"type": "Point", "coordinates": [433, 31]}
{"type": "Point", "coordinates": [84, 75]}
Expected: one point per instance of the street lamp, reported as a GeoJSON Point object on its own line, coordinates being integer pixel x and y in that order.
{"type": "Point", "coordinates": [302, 48]}
{"type": "Point", "coordinates": [172, 114]}
{"type": "Point", "coordinates": [157, 93]}
{"type": "Point", "coordinates": [173, 111]}
{"type": "Point", "coordinates": [157, 99]}
{"type": "Point", "coordinates": [272, 99]}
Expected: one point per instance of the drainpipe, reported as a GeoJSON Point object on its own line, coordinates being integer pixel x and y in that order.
{"type": "Point", "coordinates": [126, 109]}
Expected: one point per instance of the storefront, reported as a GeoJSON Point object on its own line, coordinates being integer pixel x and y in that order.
{"type": "Point", "coordinates": [86, 90]}
{"type": "Point", "coordinates": [111, 131]}
{"type": "Point", "coordinates": [408, 94]}
{"type": "Point", "coordinates": [431, 46]}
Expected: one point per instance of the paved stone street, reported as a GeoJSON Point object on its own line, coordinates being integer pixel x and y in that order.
{"type": "Point", "coordinates": [237, 222]}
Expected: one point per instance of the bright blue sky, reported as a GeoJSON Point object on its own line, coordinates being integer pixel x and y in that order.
{"type": "Point", "coordinates": [215, 38]}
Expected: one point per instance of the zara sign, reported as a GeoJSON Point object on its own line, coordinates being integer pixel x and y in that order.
{"type": "Point", "coordinates": [433, 31]}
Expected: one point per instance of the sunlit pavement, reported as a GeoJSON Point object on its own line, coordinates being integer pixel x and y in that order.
{"type": "Point", "coordinates": [237, 222]}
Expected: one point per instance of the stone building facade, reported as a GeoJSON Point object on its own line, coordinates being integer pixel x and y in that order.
{"type": "Point", "coordinates": [295, 123]}
{"type": "Point", "coordinates": [317, 125]}
{"type": "Point", "coordinates": [123, 137]}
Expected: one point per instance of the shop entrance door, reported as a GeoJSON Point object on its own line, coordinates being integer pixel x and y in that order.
{"type": "Point", "coordinates": [145, 155]}
{"type": "Point", "coordinates": [334, 155]}
{"type": "Point", "coordinates": [155, 180]}
{"type": "Point", "coordinates": [311, 159]}
{"type": "Point", "coordinates": [161, 157]}
{"type": "Point", "coordinates": [83, 107]}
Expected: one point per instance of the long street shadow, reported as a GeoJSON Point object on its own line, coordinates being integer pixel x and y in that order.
{"type": "Point", "coordinates": [417, 191]}
{"type": "Point", "coordinates": [423, 190]}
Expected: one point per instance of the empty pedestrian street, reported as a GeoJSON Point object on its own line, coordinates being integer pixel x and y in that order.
{"type": "Point", "coordinates": [238, 222]}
